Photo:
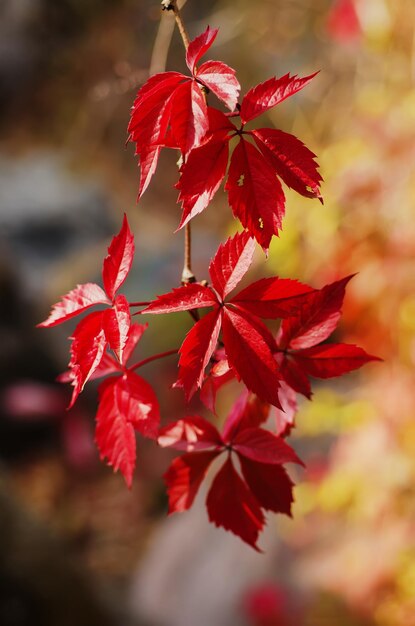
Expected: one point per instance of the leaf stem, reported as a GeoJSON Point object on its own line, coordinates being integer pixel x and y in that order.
{"type": "Point", "coordinates": [149, 359]}
{"type": "Point", "coordinates": [139, 303]}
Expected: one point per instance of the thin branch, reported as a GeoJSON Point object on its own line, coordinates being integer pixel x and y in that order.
{"type": "Point", "coordinates": [149, 359]}
{"type": "Point", "coordinates": [139, 303]}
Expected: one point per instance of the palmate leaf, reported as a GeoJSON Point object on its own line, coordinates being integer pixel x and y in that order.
{"type": "Point", "coordinates": [126, 403]}
{"type": "Point", "coordinates": [234, 502]}
{"type": "Point", "coordinates": [300, 354]}
{"type": "Point", "coordinates": [248, 344]}
{"type": "Point", "coordinates": [75, 302]}
{"type": "Point", "coordinates": [170, 109]}
{"type": "Point", "coordinates": [270, 93]}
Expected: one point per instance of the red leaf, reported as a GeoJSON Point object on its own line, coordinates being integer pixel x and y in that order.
{"type": "Point", "coordinates": [232, 506]}
{"type": "Point", "coordinates": [292, 160]}
{"type": "Point", "coordinates": [250, 355]}
{"type": "Point", "coordinates": [196, 350]}
{"type": "Point", "coordinates": [199, 46]}
{"type": "Point", "coordinates": [116, 323]}
{"type": "Point", "coordinates": [87, 349]}
{"type": "Point", "coordinates": [270, 93]}
{"type": "Point", "coordinates": [201, 176]}
{"type": "Point", "coordinates": [221, 80]}
{"type": "Point", "coordinates": [330, 360]}
{"type": "Point", "coordinates": [134, 335]}
{"type": "Point", "coordinates": [262, 446]}
{"type": "Point", "coordinates": [270, 485]}
{"type": "Point", "coordinates": [76, 301]}
{"type": "Point", "coordinates": [150, 111]}
{"type": "Point", "coordinates": [184, 477]}
{"type": "Point", "coordinates": [140, 404]}
{"type": "Point", "coordinates": [317, 318]}
{"type": "Point", "coordinates": [272, 298]}
{"type": "Point", "coordinates": [108, 365]}
{"type": "Point", "coordinates": [248, 411]}
{"type": "Point", "coordinates": [119, 260]}
{"type": "Point", "coordinates": [231, 262]}
{"type": "Point", "coordinates": [114, 433]}
{"type": "Point", "coordinates": [191, 434]}
{"type": "Point", "coordinates": [149, 156]}
{"type": "Point", "coordinates": [189, 121]}
{"type": "Point", "coordinates": [254, 193]}
{"type": "Point", "coordinates": [191, 296]}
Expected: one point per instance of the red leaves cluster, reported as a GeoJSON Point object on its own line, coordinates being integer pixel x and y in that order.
{"type": "Point", "coordinates": [127, 402]}
{"type": "Point", "coordinates": [171, 111]}
{"type": "Point", "coordinates": [229, 338]}
{"type": "Point", "coordinates": [234, 502]}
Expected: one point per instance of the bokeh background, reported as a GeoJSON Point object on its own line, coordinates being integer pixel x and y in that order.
{"type": "Point", "coordinates": [76, 546]}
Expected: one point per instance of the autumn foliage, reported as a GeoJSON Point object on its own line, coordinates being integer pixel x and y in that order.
{"type": "Point", "coordinates": [229, 338]}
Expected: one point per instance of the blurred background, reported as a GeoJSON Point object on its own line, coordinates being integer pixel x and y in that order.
{"type": "Point", "coordinates": [76, 546]}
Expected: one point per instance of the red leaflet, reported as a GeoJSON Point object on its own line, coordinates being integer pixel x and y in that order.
{"type": "Point", "coordinates": [118, 262]}
{"type": "Point", "coordinates": [231, 262]}
{"type": "Point", "coordinates": [264, 447]}
{"type": "Point", "coordinates": [299, 355]}
{"type": "Point", "coordinates": [332, 359]}
{"type": "Point", "coordinates": [250, 355]}
{"type": "Point", "coordinates": [273, 298]}
{"type": "Point", "coordinates": [221, 80]}
{"type": "Point", "coordinates": [247, 412]}
{"type": "Point", "coordinates": [317, 317]}
{"type": "Point", "coordinates": [255, 194]}
{"type": "Point", "coordinates": [199, 46]}
{"type": "Point", "coordinates": [87, 349]}
{"type": "Point", "coordinates": [76, 301]}
{"type": "Point", "coordinates": [117, 322]}
{"type": "Point", "coordinates": [184, 477]}
{"type": "Point", "coordinates": [191, 434]}
{"type": "Point", "coordinates": [126, 404]}
{"type": "Point", "coordinates": [219, 375]}
{"type": "Point", "coordinates": [292, 160]}
{"type": "Point", "coordinates": [198, 185]}
{"type": "Point", "coordinates": [271, 485]}
{"type": "Point", "coordinates": [190, 296]}
{"type": "Point", "coordinates": [284, 420]}
{"type": "Point", "coordinates": [196, 350]}
{"type": "Point", "coordinates": [270, 93]}
{"type": "Point", "coordinates": [170, 109]}
{"type": "Point", "coordinates": [249, 345]}
{"type": "Point", "coordinates": [233, 503]}
{"type": "Point", "coordinates": [230, 504]}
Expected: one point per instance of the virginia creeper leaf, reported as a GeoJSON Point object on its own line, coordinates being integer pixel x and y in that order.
{"type": "Point", "coordinates": [119, 260]}
{"type": "Point", "coordinates": [192, 434]}
{"type": "Point", "coordinates": [250, 356]}
{"type": "Point", "coordinates": [270, 484]}
{"type": "Point", "coordinates": [254, 193]}
{"type": "Point", "coordinates": [196, 350]}
{"type": "Point", "coordinates": [76, 301]}
{"type": "Point", "coordinates": [292, 160]}
{"type": "Point", "coordinates": [190, 296]}
{"type": "Point", "coordinates": [270, 93]}
{"type": "Point", "coordinates": [199, 46]}
{"type": "Point", "coordinates": [221, 80]}
{"type": "Point", "coordinates": [231, 262]}
{"type": "Point", "coordinates": [184, 477]}
{"type": "Point", "coordinates": [231, 505]}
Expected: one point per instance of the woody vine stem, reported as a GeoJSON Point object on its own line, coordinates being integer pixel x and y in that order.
{"type": "Point", "coordinates": [187, 274]}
